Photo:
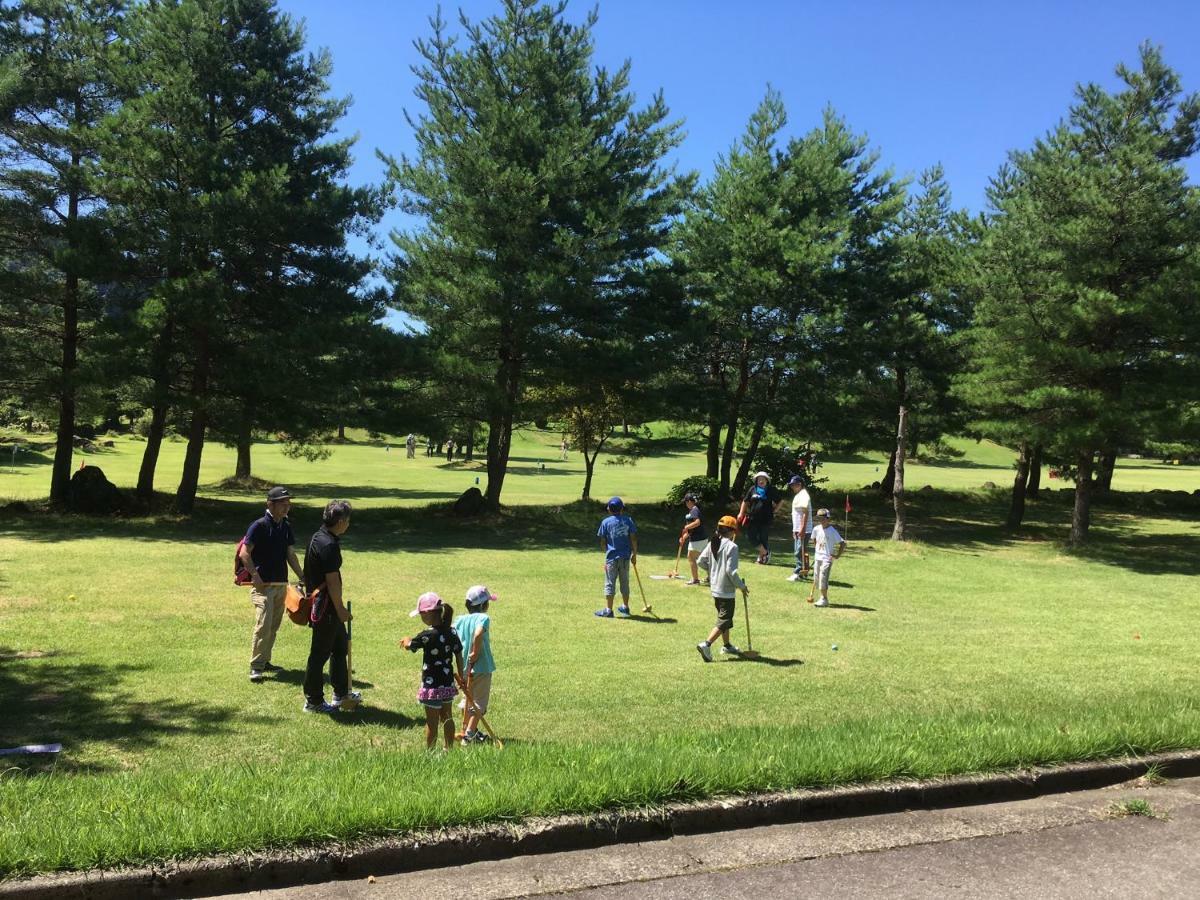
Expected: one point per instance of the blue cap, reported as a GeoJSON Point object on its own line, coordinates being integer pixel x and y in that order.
{"type": "Point", "coordinates": [616, 503]}
{"type": "Point", "coordinates": [795, 479]}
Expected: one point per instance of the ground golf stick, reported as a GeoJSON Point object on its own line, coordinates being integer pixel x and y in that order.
{"type": "Point", "coordinates": [462, 682]}
{"type": "Point", "coordinates": [678, 554]}
{"type": "Point", "coordinates": [349, 703]}
{"type": "Point", "coordinates": [646, 608]}
{"type": "Point", "coordinates": [749, 651]}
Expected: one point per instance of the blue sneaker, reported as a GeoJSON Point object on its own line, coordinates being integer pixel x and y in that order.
{"type": "Point", "coordinates": [322, 708]}
{"type": "Point", "coordinates": [623, 610]}
{"type": "Point", "coordinates": [605, 613]}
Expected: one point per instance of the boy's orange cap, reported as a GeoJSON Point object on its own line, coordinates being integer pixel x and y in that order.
{"type": "Point", "coordinates": [727, 522]}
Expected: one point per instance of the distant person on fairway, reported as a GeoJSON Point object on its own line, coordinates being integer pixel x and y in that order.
{"type": "Point", "coordinates": [827, 546]}
{"type": "Point", "coordinates": [563, 447]}
{"type": "Point", "coordinates": [618, 540]}
{"type": "Point", "coordinates": [323, 574]}
{"type": "Point", "coordinates": [757, 510]}
{"type": "Point", "coordinates": [443, 650]}
{"type": "Point", "coordinates": [267, 553]}
{"type": "Point", "coordinates": [695, 536]}
{"type": "Point", "coordinates": [802, 525]}
{"type": "Point", "coordinates": [720, 560]}
{"type": "Point", "coordinates": [411, 446]}
{"type": "Point", "coordinates": [475, 634]}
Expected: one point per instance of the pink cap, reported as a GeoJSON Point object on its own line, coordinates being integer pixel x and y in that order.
{"type": "Point", "coordinates": [427, 602]}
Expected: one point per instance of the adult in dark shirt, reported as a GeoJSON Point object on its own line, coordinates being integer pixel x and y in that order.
{"type": "Point", "coordinates": [267, 552]}
{"type": "Point", "coordinates": [757, 511]}
{"type": "Point", "coordinates": [323, 573]}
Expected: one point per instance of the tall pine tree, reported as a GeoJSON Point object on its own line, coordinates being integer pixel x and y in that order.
{"type": "Point", "coordinates": [1086, 332]}
{"type": "Point", "coordinates": [544, 200]}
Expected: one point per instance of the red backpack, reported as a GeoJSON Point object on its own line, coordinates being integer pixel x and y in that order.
{"type": "Point", "coordinates": [241, 575]}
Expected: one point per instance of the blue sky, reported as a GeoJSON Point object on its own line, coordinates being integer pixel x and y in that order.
{"type": "Point", "coordinates": [960, 83]}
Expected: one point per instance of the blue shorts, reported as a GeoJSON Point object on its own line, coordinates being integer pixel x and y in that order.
{"type": "Point", "coordinates": [616, 570]}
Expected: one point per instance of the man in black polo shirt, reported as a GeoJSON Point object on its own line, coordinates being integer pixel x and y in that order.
{"type": "Point", "coordinates": [267, 553]}
{"type": "Point", "coordinates": [323, 569]}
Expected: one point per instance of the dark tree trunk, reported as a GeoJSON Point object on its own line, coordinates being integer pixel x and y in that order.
{"type": "Point", "coordinates": [64, 444]}
{"type": "Point", "coordinates": [739, 482]}
{"type": "Point", "coordinates": [1016, 508]}
{"type": "Point", "coordinates": [713, 457]}
{"type": "Point", "coordinates": [1035, 473]}
{"type": "Point", "coordinates": [500, 422]}
{"type": "Point", "coordinates": [589, 463]}
{"type": "Point", "coordinates": [242, 469]}
{"type": "Point", "coordinates": [160, 363]}
{"type": "Point", "coordinates": [733, 416]}
{"type": "Point", "coordinates": [470, 455]}
{"type": "Point", "coordinates": [154, 439]}
{"type": "Point", "coordinates": [888, 483]}
{"type": "Point", "coordinates": [898, 484]}
{"type": "Point", "coordinates": [1104, 473]}
{"type": "Point", "coordinates": [341, 435]}
{"type": "Point", "coordinates": [1081, 516]}
{"type": "Point", "coordinates": [185, 496]}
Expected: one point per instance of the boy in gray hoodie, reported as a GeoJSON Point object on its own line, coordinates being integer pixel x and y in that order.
{"type": "Point", "coordinates": [720, 560]}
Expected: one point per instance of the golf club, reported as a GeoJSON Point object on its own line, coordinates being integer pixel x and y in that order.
{"type": "Point", "coordinates": [674, 573]}
{"type": "Point", "coordinates": [482, 718]}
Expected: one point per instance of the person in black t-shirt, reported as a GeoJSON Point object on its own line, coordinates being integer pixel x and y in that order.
{"type": "Point", "coordinates": [756, 512]}
{"type": "Point", "coordinates": [323, 574]}
{"type": "Point", "coordinates": [267, 552]}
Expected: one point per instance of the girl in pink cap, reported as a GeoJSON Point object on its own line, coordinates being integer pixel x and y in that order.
{"type": "Point", "coordinates": [442, 650]}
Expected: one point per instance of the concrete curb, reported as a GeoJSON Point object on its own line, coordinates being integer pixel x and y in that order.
{"type": "Point", "coordinates": [457, 846]}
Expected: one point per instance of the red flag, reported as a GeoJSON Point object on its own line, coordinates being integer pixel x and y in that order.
{"type": "Point", "coordinates": [848, 506]}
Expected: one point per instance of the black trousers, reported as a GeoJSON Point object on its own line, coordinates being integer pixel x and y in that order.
{"type": "Point", "coordinates": [329, 645]}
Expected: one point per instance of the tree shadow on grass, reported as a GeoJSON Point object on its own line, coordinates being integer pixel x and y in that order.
{"type": "Point", "coordinates": [1146, 554]}
{"type": "Point", "coordinates": [52, 698]}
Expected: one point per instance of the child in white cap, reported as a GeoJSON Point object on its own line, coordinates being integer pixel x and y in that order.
{"type": "Point", "coordinates": [474, 631]}
{"type": "Point", "coordinates": [828, 546]}
{"type": "Point", "coordinates": [443, 649]}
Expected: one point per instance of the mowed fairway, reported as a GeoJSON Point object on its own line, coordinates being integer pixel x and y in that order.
{"type": "Point", "coordinates": [964, 650]}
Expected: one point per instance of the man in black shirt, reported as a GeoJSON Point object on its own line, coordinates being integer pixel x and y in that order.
{"type": "Point", "coordinates": [267, 552]}
{"type": "Point", "coordinates": [323, 571]}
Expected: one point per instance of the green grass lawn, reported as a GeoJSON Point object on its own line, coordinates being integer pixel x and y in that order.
{"type": "Point", "coordinates": [964, 650]}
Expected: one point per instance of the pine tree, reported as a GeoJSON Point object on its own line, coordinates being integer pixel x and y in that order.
{"type": "Point", "coordinates": [544, 201]}
{"type": "Point", "coordinates": [230, 189]}
{"type": "Point", "coordinates": [56, 86]}
{"type": "Point", "coordinates": [1086, 333]}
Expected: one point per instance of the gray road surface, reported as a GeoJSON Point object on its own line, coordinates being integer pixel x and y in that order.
{"type": "Point", "coordinates": [1061, 846]}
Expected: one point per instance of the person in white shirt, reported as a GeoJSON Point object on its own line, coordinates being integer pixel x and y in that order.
{"type": "Point", "coordinates": [802, 525]}
{"type": "Point", "coordinates": [827, 546]}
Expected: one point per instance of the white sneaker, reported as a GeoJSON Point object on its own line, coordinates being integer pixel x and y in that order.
{"type": "Point", "coordinates": [352, 699]}
{"type": "Point", "coordinates": [795, 576]}
{"type": "Point", "coordinates": [821, 601]}
{"type": "Point", "coordinates": [705, 651]}
{"type": "Point", "coordinates": [730, 650]}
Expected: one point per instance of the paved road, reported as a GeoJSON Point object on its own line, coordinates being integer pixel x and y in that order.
{"type": "Point", "coordinates": [1061, 846]}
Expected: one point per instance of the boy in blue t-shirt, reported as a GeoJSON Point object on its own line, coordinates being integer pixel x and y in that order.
{"type": "Point", "coordinates": [618, 539]}
{"type": "Point", "coordinates": [475, 632]}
